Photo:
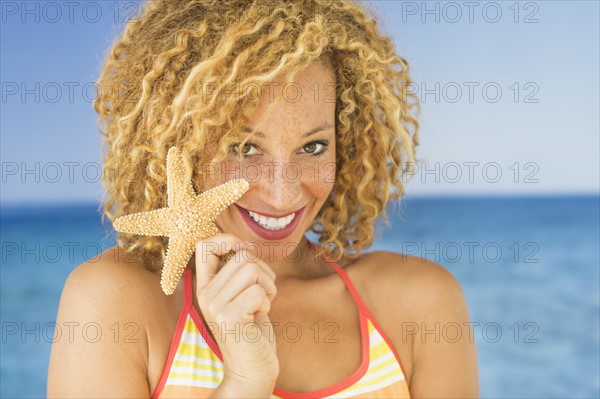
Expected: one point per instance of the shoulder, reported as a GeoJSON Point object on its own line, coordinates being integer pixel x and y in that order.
{"type": "Point", "coordinates": [112, 284]}
{"type": "Point", "coordinates": [110, 288]}
{"type": "Point", "coordinates": [109, 280]}
{"type": "Point", "coordinates": [100, 320]}
{"type": "Point", "coordinates": [422, 308]}
{"type": "Point", "coordinates": [412, 285]}
{"type": "Point", "coordinates": [111, 275]}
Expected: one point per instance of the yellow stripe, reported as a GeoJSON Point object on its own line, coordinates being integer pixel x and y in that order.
{"type": "Point", "coordinates": [177, 391]}
{"type": "Point", "coordinates": [197, 351]}
{"type": "Point", "coordinates": [204, 352]}
{"type": "Point", "coordinates": [381, 366]}
{"type": "Point", "coordinates": [370, 326]}
{"type": "Point", "coordinates": [379, 350]}
{"type": "Point", "coordinates": [376, 352]}
{"type": "Point", "coordinates": [196, 366]}
{"type": "Point", "coordinates": [194, 337]}
{"type": "Point", "coordinates": [194, 377]}
{"type": "Point", "coordinates": [365, 384]}
{"type": "Point", "coordinates": [190, 326]}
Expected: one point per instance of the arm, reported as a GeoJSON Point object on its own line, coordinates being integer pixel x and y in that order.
{"type": "Point", "coordinates": [85, 364]}
{"type": "Point", "coordinates": [445, 360]}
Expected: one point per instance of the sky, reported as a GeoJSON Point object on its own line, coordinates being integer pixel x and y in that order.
{"type": "Point", "coordinates": [509, 93]}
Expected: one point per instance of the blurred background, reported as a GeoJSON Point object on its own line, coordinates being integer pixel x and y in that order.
{"type": "Point", "coordinates": [506, 193]}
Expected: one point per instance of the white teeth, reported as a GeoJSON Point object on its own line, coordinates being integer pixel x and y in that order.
{"type": "Point", "coordinates": [272, 223]}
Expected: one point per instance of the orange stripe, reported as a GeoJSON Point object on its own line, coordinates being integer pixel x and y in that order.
{"type": "Point", "coordinates": [177, 391]}
{"type": "Point", "coordinates": [398, 390]}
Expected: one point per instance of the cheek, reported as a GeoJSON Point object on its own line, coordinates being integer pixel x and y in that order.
{"type": "Point", "coordinates": [320, 176]}
{"type": "Point", "coordinates": [217, 174]}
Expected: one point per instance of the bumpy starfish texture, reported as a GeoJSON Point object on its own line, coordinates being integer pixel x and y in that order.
{"type": "Point", "coordinates": [187, 219]}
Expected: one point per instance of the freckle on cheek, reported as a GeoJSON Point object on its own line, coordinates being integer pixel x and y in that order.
{"type": "Point", "coordinates": [322, 189]}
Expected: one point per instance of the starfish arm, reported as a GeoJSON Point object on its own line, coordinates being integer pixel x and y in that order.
{"type": "Point", "coordinates": [152, 223]}
{"type": "Point", "coordinates": [187, 219]}
{"type": "Point", "coordinates": [215, 200]}
{"type": "Point", "coordinates": [179, 251]}
{"type": "Point", "coordinates": [177, 187]}
{"type": "Point", "coordinates": [207, 229]}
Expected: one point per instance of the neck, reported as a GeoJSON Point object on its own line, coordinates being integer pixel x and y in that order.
{"type": "Point", "coordinates": [300, 264]}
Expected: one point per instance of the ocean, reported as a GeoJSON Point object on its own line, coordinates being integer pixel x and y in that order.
{"type": "Point", "coordinates": [529, 268]}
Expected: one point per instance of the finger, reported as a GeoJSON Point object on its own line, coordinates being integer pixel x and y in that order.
{"type": "Point", "coordinates": [207, 256]}
{"type": "Point", "coordinates": [248, 253]}
{"type": "Point", "coordinates": [246, 276]}
{"type": "Point", "coordinates": [253, 299]}
{"type": "Point", "coordinates": [251, 252]}
{"type": "Point", "coordinates": [231, 267]}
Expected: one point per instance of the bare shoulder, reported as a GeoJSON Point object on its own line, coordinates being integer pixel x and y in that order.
{"type": "Point", "coordinates": [422, 307]}
{"type": "Point", "coordinates": [112, 281]}
{"type": "Point", "coordinates": [414, 285]}
{"type": "Point", "coordinates": [112, 275]}
{"type": "Point", "coordinates": [103, 336]}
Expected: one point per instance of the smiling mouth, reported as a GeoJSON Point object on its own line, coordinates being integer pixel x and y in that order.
{"type": "Point", "coordinates": [270, 223]}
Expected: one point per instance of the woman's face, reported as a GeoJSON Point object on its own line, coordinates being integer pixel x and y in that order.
{"type": "Point", "coordinates": [290, 165]}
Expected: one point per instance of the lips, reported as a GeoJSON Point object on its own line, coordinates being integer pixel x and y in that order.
{"type": "Point", "coordinates": [271, 234]}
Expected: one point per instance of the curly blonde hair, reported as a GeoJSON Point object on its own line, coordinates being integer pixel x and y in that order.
{"type": "Point", "coordinates": [152, 96]}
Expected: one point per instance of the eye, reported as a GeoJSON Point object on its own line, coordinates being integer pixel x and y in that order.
{"type": "Point", "coordinates": [245, 151]}
{"type": "Point", "coordinates": [316, 147]}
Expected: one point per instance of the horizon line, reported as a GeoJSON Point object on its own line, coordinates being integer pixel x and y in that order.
{"type": "Point", "coordinates": [423, 196]}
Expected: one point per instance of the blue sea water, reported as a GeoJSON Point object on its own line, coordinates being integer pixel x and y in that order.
{"type": "Point", "coordinates": [529, 268]}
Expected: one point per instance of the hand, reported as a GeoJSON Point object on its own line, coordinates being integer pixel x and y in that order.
{"type": "Point", "coordinates": [237, 297]}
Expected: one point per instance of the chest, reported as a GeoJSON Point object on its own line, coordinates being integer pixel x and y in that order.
{"type": "Point", "coordinates": [314, 337]}
{"type": "Point", "coordinates": [317, 329]}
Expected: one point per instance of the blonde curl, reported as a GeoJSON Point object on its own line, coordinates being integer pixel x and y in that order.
{"type": "Point", "coordinates": [153, 96]}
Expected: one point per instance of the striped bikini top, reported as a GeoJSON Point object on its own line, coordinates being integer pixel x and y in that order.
{"type": "Point", "coordinates": [194, 366]}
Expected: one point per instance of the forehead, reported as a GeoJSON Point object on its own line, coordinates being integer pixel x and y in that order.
{"type": "Point", "coordinates": [308, 98]}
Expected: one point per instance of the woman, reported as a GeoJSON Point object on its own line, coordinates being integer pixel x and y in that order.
{"type": "Point", "coordinates": [304, 100]}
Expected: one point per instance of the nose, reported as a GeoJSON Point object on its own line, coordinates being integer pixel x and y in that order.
{"type": "Point", "coordinates": [280, 186]}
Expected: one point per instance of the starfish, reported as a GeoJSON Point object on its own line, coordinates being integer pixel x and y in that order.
{"type": "Point", "coordinates": [187, 219]}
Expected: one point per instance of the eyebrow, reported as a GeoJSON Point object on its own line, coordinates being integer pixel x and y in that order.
{"type": "Point", "coordinates": [309, 133]}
